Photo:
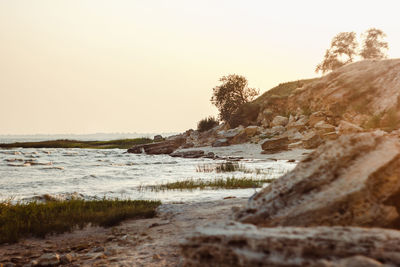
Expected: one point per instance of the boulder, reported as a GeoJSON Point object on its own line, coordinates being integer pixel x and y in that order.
{"type": "Point", "coordinates": [353, 181]}
{"type": "Point", "coordinates": [251, 131]}
{"type": "Point", "coordinates": [275, 144]}
{"type": "Point", "coordinates": [49, 259]}
{"type": "Point", "coordinates": [231, 132]}
{"type": "Point", "coordinates": [316, 117]}
{"type": "Point", "coordinates": [299, 124]}
{"type": "Point", "coordinates": [323, 128]}
{"type": "Point", "coordinates": [245, 135]}
{"type": "Point", "coordinates": [311, 140]}
{"type": "Point", "coordinates": [276, 130]}
{"type": "Point", "coordinates": [221, 142]}
{"type": "Point", "coordinates": [294, 135]}
{"type": "Point", "coordinates": [279, 121]}
{"type": "Point", "coordinates": [346, 127]}
{"type": "Point", "coordinates": [191, 154]}
{"type": "Point", "coordinates": [236, 244]}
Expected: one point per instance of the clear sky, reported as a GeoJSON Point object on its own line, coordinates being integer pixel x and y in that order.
{"type": "Point", "coordinates": [86, 66]}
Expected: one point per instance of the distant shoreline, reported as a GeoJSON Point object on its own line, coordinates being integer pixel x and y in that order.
{"type": "Point", "coordinates": [68, 143]}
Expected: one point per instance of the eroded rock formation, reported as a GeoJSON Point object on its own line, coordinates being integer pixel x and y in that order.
{"type": "Point", "coordinates": [352, 181]}
{"type": "Point", "coordinates": [236, 244]}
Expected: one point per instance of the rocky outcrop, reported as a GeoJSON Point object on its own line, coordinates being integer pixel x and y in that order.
{"type": "Point", "coordinates": [164, 147]}
{"type": "Point", "coordinates": [235, 244]}
{"type": "Point", "coordinates": [352, 181]}
{"type": "Point", "coordinates": [356, 92]}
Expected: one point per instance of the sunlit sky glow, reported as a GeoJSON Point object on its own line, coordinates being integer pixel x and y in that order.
{"type": "Point", "coordinates": [89, 66]}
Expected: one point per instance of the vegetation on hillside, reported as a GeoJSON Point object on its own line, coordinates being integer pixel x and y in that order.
{"type": "Point", "coordinates": [54, 217]}
{"type": "Point", "coordinates": [207, 124]}
{"type": "Point", "coordinates": [344, 49]}
{"type": "Point", "coordinates": [65, 143]}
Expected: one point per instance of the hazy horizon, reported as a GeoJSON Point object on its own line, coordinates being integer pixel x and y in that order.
{"type": "Point", "coordinates": [89, 66]}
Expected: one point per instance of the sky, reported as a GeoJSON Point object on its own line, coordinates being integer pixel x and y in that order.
{"type": "Point", "coordinates": [88, 66]}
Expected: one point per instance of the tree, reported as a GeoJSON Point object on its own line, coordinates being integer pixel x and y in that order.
{"type": "Point", "coordinates": [231, 94]}
{"type": "Point", "coordinates": [342, 51]}
{"type": "Point", "coordinates": [374, 47]}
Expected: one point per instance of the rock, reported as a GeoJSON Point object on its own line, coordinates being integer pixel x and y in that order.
{"type": "Point", "coordinates": [67, 258]}
{"type": "Point", "coordinates": [236, 244]}
{"type": "Point", "coordinates": [346, 127]}
{"type": "Point", "coordinates": [330, 136]}
{"type": "Point", "coordinates": [209, 155]}
{"type": "Point", "coordinates": [294, 135]}
{"type": "Point", "coordinates": [295, 145]}
{"type": "Point", "coordinates": [279, 121]}
{"type": "Point", "coordinates": [230, 133]}
{"type": "Point", "coordinates": [245, 135]}
{"type": "Point", "coordinates": [164, 147]}
{"type": "Point", "coordinates": [157, 138]}
{"type": "Point", "coordinates": [49, 259]}
{"type": "Point", "coordinates": [323, 128]}
{"type": "Point", "coordinates": [276, 130]}
{"type": "Point", "coordinates": [275, 144]}
{"type": "Point", "coordinates": [221, 142]}
{"type": "Point", "coordinates": [311, 140]}
{"type": "Point", "coordinates": [192, 154]}
{"type": "Point", "coordinates": [359, 260]}
{"type": "Point", "coordinates": [299, 124]}
{"type": "Point", "coordinates": [353, 181]}
{"type": "Point", "coordinates": [251, 131]}
{"type": "Point", "coordinates": [316, 117]}
{"type": "Point", "coordinates": [187, 145]}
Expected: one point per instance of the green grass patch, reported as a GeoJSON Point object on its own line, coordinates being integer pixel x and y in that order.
{"type": "Point", "coordinates": [55, 217]}
{"type": "Point", "coordinates": [218, 183]}
{"type": "Point", "coordinates": [65, 143]}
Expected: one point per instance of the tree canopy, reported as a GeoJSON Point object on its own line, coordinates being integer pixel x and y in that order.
{"type": "Point", "coordinates": [231, 94]}
{"type": "Point", "coordinates": [342, 51]}
{"type": "Point", "coordinates": [374, 47]}
{"type": "Point", "coordinates": [344, 48]}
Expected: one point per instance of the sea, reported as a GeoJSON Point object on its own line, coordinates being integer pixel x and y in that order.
{"type": "Point", "coordinates": [31, 174]}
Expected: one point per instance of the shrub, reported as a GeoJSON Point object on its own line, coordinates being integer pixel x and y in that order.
{"type": "Point", "coordinates": [207, 124]}
{"type": "Point", "coordinates": [245, 115]}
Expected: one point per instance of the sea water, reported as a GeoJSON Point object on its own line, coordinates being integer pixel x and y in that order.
{"type": "Point", "coordinates": [27, 174]}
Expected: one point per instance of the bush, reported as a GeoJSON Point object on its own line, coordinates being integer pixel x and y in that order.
{"type": "Point", "coordinates": [207, 124]}
{"type": "Point", "coordinates": [246, 115]}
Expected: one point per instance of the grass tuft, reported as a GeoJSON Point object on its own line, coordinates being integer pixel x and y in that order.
{"type": "Point", "coordinates": [218, 183]}
{"type": "Point", "coordinates": [55, 217]}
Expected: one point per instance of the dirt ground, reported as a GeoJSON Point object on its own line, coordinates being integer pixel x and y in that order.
{"type": "Point", "coordinates": [143, 242]}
